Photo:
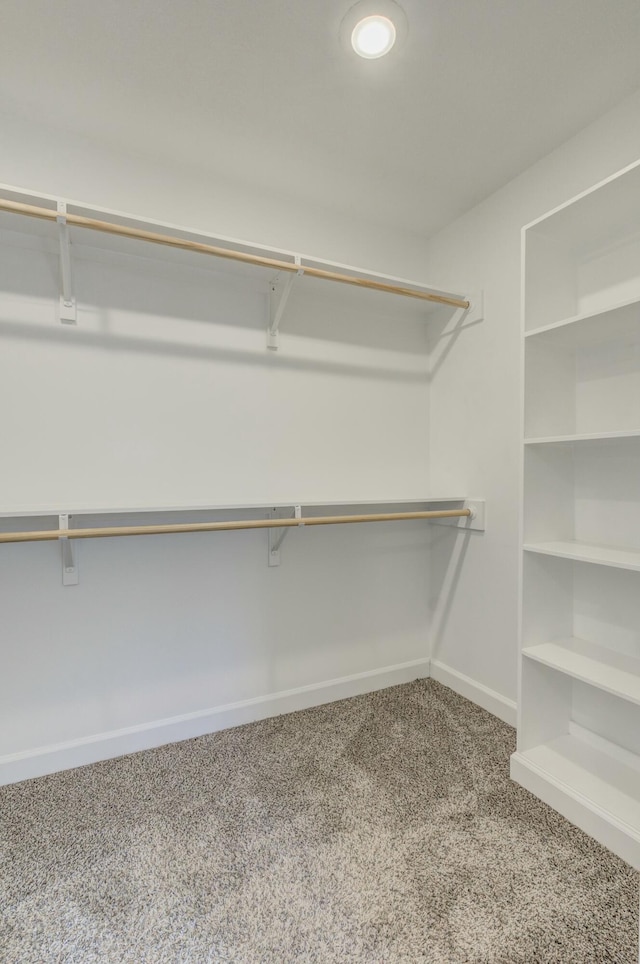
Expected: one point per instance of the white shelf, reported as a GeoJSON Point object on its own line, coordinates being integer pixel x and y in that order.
{"type": "Point", "coordinates": [590, 437]}
{"type": "Point", "coordinates": [585, 552]}
{"type": "Point", "coordinates": [45, 232]}
{"type": "Point", "coordinates": [619, 323]}
{"type": "Point", "coordinates": [590, 785]}
{"type": "Point", "coordinates": [599, 217]}
{"type": "Point", "coordinates": [42, 511]}
{"type": "Point", "coordinates": [596, 665]}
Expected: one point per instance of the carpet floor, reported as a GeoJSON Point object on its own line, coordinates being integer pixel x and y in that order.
{"type": "Point", "coordinates": [383, 828]}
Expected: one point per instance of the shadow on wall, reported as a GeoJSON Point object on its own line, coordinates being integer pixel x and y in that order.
{"type": "Point", "coordinates": [453, 545]}
{"type": "Point", "coordinates": [106, 282]}
{"type": "Point", "coordinates": [444, 331]}
{"type": "Point", "coordinates": [203, 353]}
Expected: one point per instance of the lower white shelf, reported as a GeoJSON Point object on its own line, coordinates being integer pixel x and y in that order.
{"type": "Point", "coordinates": [588, 552]}
{"type": "Point", "coordinates": [596, 665]}
{"type": "Point", "coordinates": [592, 783]}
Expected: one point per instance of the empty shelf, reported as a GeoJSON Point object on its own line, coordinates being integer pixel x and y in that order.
{"type": "Point", "coordinates": [590, 785]}
{"type": "Point", "coordinates": [592, 773]}
{"type": "Point", "coordinates": [591, 437]}
{"type": "Point", "coordinates": [220, 507]}
{"type": "Point", "coordinates": [620, 323]}
{"type": "Point", "coordinates": [586, 552]}
{"type": "Point", "coordinates": [613, 672]}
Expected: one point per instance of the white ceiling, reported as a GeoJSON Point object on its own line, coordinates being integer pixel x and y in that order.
{"type": "Point", "coordinates": [262, 91]}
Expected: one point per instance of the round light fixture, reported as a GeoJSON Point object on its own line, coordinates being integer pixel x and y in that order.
{"type": "Point", "coordinates": [371, 28]}
{"type": "Point", "coordinates": [373, 37]}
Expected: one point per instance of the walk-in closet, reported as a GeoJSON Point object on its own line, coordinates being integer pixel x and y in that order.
{"type": "Point", "coordinates": [319, 482]}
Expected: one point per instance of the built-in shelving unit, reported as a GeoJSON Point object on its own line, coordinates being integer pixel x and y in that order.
{"type": "Point", "coordinates": [579, 700]}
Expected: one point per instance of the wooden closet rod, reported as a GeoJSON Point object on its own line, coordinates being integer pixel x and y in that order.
{"type": "Point", "coordinates": [101, 533]}
{"type": "Point", "coordinates": [77, 220]}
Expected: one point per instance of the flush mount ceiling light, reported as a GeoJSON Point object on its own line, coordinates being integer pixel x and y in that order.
{"type": "Point", "coordinates": [372, 28]}
{"type": "Point", "coordinates": [373, 37]}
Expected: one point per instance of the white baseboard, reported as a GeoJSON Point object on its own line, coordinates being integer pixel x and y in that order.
{"type": "Point", "coordinates": [104, 746]}
{"type": "Point", "coordinates": [505, 709]}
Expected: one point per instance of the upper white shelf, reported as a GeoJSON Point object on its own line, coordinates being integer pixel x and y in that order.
{"type": "Point", "coordinates": [602, 215]}
{"type": "Point", "coordinates": [43, 511]}
{"type": "Point", "coordinates": [586, 552]}
{"type": "Point", "coordinates": [618, 324]}
{"type": "Point", "coordinates": [85, 237]}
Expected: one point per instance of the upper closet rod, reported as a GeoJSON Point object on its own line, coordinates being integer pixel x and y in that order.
{"type": "Point", "coordinates": [100, 533]}
{"type": "Point", "coordinates": [79, 221]}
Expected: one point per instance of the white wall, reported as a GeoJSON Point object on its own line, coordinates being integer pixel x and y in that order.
{"type": "Point", "coordinates": [174, 628]}
{"type": "Point", "coordinates": [46, 159]}
{"type": "Point", "coordinates": [475, 398]}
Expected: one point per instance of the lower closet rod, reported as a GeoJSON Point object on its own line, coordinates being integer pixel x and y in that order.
{"type": "Point", "coordinates": [101, 533]}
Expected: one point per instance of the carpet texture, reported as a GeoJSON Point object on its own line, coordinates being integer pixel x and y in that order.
{"type": "Point", "coordinates": [379, 829]}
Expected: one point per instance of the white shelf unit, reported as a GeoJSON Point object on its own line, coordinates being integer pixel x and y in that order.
{"type": "Point", "coordinates": [579, 698]}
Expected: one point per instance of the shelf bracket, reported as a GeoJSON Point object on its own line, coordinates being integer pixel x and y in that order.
{"type": "Point", "coordinates": [67, 311]}
{"type": "Point", "coordinates": [69, 553]}
{"type": "Point", "coordinates": [280, 289]}
{"type": "Point", "coordinates": [277, 536]}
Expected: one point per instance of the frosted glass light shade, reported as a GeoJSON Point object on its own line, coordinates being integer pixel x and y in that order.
{"type": "Point", "coordinates": [373, 37]}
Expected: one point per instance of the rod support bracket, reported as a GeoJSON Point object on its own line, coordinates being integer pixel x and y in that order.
{"type": "Point", "coordinates": [475, 311]}
{"type": "Point", "coordinates": [67, 311]}
{"type": "Point", "coordinates": [279, 290]}
{"type": "Point", "coordinates": [277, 536]}
{"type": "Point", "coordinates": [476, 520]}
{"type": "Point", "coordinates": [69, 554]}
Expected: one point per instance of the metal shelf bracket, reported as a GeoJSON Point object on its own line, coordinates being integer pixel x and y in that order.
{"type": "Point", "coordinates": [279, 291]}
{"type": "Point", "coordinates": [69, 553]}
{"type": "Point", "coordinates": [277, 536]}
{"type": "Point", "coordinates": [67, 311]}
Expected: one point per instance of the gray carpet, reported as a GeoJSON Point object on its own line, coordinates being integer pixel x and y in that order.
{"type": "Point", "coordinates": [379, 829]}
